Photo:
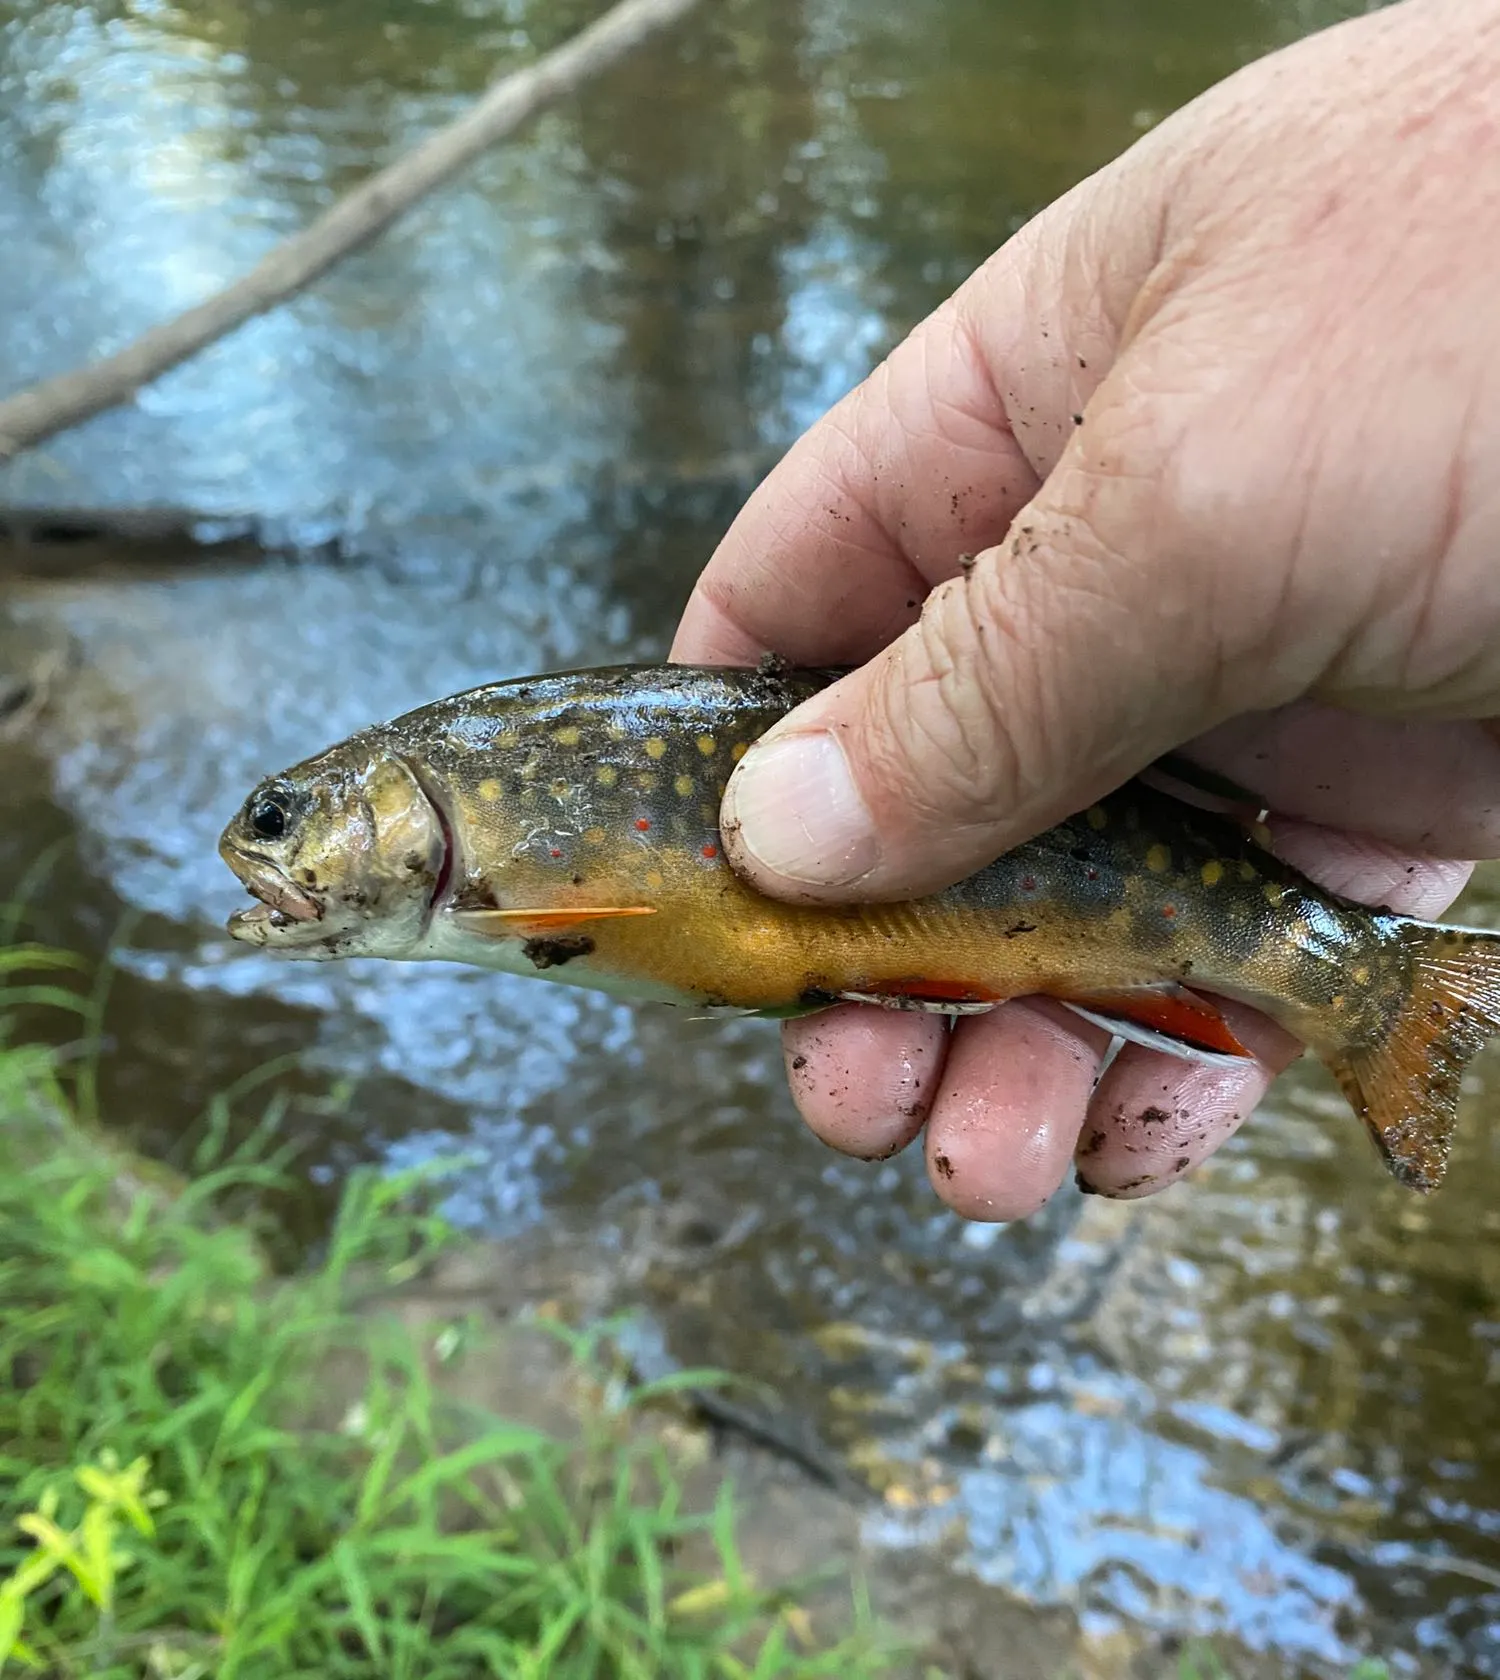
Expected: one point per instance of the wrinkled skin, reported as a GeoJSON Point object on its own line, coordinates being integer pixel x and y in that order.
{"type": "Point", "coordinates": [1272, 535]}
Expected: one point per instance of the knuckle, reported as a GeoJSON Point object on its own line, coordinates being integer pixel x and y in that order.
{"type": "Point", "coordinates": [938, 715]}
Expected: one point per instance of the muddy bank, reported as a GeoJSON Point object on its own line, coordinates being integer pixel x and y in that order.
{"type": "Point", "coordinates": [793, 1524]}
{"type": "Point", "coordinates": [477, 1311]}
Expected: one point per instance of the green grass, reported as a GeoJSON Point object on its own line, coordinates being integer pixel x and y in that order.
{"type": "Point", "coordinates": [210, 1471]}
{"type": "Point", "coordinates": [176, 1503]}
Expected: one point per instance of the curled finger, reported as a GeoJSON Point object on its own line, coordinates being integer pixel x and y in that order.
{"type": "Point", "coordinates": [1154, 1117]}
{"type": "Point", "coordinates": [864, 1078]}
{"type": "Point", "coordinates": [1008, 1111]}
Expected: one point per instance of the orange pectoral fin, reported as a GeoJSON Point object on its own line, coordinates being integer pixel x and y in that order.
{"type": "Point", "coordinates": [497, 924]}
{"type": "Point", "coordinates": [1172, 1013]}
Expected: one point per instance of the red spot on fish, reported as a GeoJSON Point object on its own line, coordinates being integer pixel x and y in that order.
{"type": "Point", "coordinates": [643, 823]}
{"type": "Point", "coordinates": [557, 851]}
{"type": "Point", "coordinates": [1028, 883]}
{"type": "Point", "coordinates": [1169, 910]}
{"type": "Point", "coordinates": [710, 851]}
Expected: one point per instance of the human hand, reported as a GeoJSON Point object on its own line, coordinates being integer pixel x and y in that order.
{"type": "Point", "coordinates": [1222, 430]}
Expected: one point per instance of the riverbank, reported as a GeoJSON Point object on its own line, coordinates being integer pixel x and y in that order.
{"type": "Point", "coordinates": [388, 1464]}
{"type": "Point", "coordinates": [209, 1470]}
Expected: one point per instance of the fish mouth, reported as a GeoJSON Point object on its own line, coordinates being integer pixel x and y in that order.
{"type": "Point", "coordinates": [282, 904]}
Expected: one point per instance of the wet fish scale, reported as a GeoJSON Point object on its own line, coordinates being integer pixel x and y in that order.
{"type": "Point", "coordinates": [593, 778]}
{"type": "Point", "coordinates": [567, 827]}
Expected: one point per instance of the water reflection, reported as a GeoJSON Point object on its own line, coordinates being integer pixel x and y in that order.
{"type": "Point", "coordinates": [525, 415]}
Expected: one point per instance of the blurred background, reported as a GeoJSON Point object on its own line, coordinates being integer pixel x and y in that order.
{"type": "Point", "coordinates": [504, 439]}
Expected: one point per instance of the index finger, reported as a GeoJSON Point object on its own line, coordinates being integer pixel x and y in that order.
{"type": "Point", "coordinates": [833, 555]}
{"type": "Point", "coordinates": [931, 457]}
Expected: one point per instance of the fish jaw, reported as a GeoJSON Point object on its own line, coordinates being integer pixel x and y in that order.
{"type": "Point", "coordinates": [284, 914]}
{"type": "Point", "coordinates": [293, 922]}
{"type": "Point", "coordinates": [264, 925]}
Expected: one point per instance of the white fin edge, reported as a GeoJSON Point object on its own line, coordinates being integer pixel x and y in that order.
{"type": "Point", "coordinates": [918, 1006]}
{"type": "Point", "coordinates": [1132, 1032]}
{"type": "Point", "coordinates": [1149, 1039]}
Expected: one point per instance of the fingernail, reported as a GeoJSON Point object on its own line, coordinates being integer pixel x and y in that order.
{"type": "Point", "coordinates": [799, 813]}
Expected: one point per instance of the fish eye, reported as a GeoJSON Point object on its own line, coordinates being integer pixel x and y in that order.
{"type": "Point", "coordinates": [269, 813]}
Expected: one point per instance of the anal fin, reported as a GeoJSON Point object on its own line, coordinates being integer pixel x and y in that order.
{"type": "Point", "coordinates": [1166, 1017]}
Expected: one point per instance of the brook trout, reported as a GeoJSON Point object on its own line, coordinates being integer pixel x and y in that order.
{"type": "Point", "coordinates": [567, 827]}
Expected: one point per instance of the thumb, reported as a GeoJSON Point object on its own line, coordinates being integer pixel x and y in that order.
{"type": "Point", "coordinates": [1056, 666]}
{"type": "Point", "coordinates": [1188, 554]}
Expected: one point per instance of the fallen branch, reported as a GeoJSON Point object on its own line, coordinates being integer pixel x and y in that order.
{"type": "Point", "coordinates": [52, 406]}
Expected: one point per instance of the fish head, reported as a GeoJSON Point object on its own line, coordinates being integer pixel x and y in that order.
{"type": "Point", "coordinates": [346, 855]}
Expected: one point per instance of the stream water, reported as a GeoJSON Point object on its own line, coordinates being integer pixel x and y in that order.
{"type": "Point", "coordinates": [504, 439]}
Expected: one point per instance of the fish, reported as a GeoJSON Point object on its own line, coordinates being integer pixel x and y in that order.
{"type": "Point", "coordinates": [566, 827]}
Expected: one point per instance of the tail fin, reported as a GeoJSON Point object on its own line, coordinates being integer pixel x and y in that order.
{"type": "Point", "coordinates": [1406, 1086]}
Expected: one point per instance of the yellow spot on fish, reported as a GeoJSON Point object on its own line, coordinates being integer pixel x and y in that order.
{"type": "Point", "coordinates": [489, 790]}
{"type": "Point", "coordinates": [707, 745]}
{"type": "Point", "coordinates": [1159, 859]}
{"type": "Point", "coordinates": [1361, 976]}
{"type": "Point", "coordinates": [1247, 871]}
{"type": "Point", "coordinates": [645, 781]}
{"type": "Point", "coordinates": [1274, 892]}
{"type": "Point", "coordinates": [1212, 872]}
{"type": "Point", "coordinates": [653, 878]}
{"type": "Point", "coordinates": [594, 836]}
{"type": "Point", "coordinates": [568, 736]}
{"type": "Point", "coordinates": [606, 775]}
{"type": "Point", "coordinates": [1097, 816]}
{"type": "Point", "coordinates": [684, 787]}
{"type": "Point", "coordinates": [559, 788]}
{"type": "Point", "coordinates": [738, 750]}
{"type": "Point", "coordinates": [655, 747]}
{"type": "Point", "coordinates": [616, 732]}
